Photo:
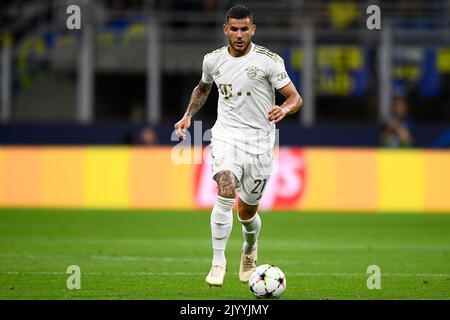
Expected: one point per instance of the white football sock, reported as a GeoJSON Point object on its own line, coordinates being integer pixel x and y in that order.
{"type": "Point", "coordinates": [221, 225]}
{"type": "Point", "coordinates": [250, 231]}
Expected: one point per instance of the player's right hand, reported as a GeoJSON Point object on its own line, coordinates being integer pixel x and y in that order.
{"type": "Point", "coordinates": [182, 126]}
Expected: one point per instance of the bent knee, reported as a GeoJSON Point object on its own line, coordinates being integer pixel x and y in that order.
{"type": "Point", "coordinates": [226, 184]}
{"type": "Point", "coordinates": [227, 192]}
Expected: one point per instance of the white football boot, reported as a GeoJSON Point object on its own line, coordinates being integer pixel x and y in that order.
{"type": "Point", "coordinates": [216, 275]}
{"type": "Point", "coordinates": [248, 264]}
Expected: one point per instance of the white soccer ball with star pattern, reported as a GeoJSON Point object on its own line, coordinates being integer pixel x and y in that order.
{"type": "Point", "coordinates": [267, 281]}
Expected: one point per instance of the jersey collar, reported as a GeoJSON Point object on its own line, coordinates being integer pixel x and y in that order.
{"type": "Point", "coordinates": [252, 47]}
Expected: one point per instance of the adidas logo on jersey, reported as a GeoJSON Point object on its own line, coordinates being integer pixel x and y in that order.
{"type": "Point", "coordinates": [217, 74]}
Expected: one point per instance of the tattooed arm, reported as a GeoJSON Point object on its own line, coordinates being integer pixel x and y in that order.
{"type": "Point", "coordinates": [198, 99]}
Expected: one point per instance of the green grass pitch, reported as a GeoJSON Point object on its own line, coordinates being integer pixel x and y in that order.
{"type": "Point", "coordinates": [166, 254]}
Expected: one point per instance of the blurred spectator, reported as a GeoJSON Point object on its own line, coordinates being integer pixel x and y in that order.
{"type": "Point", "coordinates": [182, 6]}
{"type": "Point", "coordinates": [147, 136]}
{"type": "Point", "coordinates": [137, 113]}
{"type": "Point", "coordinates": [144, 136]}
{"type": "Point", "coordinates": [398, 132]}
{"type": "Point", "coordinates": [209, 5]}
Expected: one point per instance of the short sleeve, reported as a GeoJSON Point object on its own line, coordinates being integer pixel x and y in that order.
{"type": "Point", "coordinates": [206, 73]}
{"type": "Point", "coordinates": [277, 74]}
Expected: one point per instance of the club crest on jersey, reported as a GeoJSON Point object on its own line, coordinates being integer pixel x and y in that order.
{"type": "Point", "coordinates": [252, 71]}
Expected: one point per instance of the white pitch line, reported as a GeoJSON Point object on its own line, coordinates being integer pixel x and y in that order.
{"type": "Point", "coordinates": [139, 258]}
{"type": "Point", "coordinates": [278, 244]}
{"type": "Point", "coordinates": [106, 273]}
{"type": "Point", "coordinates": [100, 257]}
{"type": "Point", "coordinates": [346, 274]}
{"type": "Point", "coordinates": [170, 259]}
{"type": "Point", "coordinates": [298, 274]}
{"type": "Point", "coordinates": [202, 260]}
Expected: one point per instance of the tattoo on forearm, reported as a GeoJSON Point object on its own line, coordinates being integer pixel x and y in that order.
{"type": "Point", "coordinates": [198, 98]}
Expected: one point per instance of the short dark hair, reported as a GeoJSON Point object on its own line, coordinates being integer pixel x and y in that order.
{"type": "Point", "coordinates": [239, 12]}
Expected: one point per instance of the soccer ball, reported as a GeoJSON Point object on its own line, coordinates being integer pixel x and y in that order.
{"type": "Point", "coordinates": [267, 281]}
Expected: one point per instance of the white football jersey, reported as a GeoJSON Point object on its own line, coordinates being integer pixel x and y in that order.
{"type": "Point", "coordinates": [246, 88]}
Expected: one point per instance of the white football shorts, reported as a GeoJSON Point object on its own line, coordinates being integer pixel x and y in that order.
{"type": "Point", "coordinates": [252, 170]}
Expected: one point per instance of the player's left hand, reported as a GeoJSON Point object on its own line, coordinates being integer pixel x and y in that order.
{"type": "Point", "coordinates": [276, 114]}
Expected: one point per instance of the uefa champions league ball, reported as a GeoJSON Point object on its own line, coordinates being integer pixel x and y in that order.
{"type": "Point", "coordinates": [267, 281]}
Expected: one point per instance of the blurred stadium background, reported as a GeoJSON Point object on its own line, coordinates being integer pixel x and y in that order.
{"type": "Point", "coordinates": [126, 77]}
{"type": "Point", "coordinates": [87, 118]}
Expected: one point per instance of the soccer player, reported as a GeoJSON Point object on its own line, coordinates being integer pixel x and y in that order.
{"type": "Point", "coordinates": [243, 136]}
